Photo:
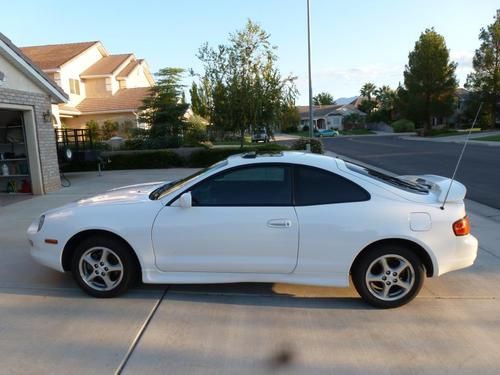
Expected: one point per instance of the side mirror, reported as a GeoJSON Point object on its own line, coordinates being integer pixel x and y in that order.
{"type": "Point", "coordinates": [185, 201]}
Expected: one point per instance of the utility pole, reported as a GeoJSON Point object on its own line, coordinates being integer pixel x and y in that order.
{"type": "Point", "coordinates": [309, 67]}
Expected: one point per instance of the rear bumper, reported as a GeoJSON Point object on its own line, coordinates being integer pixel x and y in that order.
{"type": "Point", "coordinates": [463, 256]}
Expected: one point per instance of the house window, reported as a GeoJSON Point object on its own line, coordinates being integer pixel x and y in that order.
{"type": "Point", "coordinates": [74, 86]}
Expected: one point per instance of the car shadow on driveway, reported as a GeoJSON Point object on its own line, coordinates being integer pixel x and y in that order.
{"type": "Point", "coordinates": [245, 294]}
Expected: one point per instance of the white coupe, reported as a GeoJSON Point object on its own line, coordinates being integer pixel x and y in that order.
{"type": "Point", "coordinates": [285, 217]}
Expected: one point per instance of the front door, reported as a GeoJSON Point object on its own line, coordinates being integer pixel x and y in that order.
{"type": "Point", "coordinates": [242, 220]}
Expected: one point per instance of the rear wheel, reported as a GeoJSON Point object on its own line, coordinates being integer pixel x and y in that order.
{"type": "Point", "coordinates": [103, 267]}
{"type": "Point", "coordinates": [388, 276]}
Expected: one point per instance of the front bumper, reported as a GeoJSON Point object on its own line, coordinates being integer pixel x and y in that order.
{"type": "Point", "coordinates": [49, 255]}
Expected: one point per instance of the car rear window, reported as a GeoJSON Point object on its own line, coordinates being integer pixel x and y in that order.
{"type": "Point", "coordinates": [387, 179]}
{"type": "Point", "coordinates": [315, 186]}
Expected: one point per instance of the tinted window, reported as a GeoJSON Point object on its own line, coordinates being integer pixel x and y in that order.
{"type": "Point", "coordinates": [418, 187]}
{"type": "Point", "coordinates": [268, 185]}
{"type": "Point", "coordinates": [315, 186]}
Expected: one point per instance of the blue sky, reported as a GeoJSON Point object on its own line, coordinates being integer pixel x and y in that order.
{"type": "Point", "coordinates": [352, 42]}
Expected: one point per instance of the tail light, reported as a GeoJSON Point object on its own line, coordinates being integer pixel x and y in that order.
{"type": "Point", "coordinates": [461, 227]}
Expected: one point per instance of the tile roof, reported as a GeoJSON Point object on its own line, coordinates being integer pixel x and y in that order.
{"type": "Point", "coordinates": [54, 55]}
{"type": "Point", "coordinates": [128, 69]}
{"type": "Point", "coordinates": [322, 110]}
{"type": "Point", "coordinates": [106, 65]}
{"type": "Point", "coordinates": [35, 67]}
{"type": "Point", "coordinates": [124, 100]}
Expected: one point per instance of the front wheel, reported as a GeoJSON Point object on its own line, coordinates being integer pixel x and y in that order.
{"type": "Point", "coordinates": [103, 267]}
{"type": "Point", "coordinates": [388, 276]}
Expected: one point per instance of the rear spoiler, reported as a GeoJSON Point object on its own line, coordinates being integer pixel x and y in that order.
{"type": "Point", "coordinates": [439, 186]}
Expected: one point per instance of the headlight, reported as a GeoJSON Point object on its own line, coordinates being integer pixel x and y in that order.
{"type": "Point", "coordinates": [40, 223]}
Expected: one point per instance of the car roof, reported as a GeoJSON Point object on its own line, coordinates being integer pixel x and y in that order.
{"type": "Point", "coordinates": [293, 157]}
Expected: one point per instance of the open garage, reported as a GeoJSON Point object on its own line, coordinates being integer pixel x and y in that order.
{"type": "Point", "coordinates": [28, 157]}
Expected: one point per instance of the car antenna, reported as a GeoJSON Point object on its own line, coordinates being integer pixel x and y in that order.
{"type": "Point", "coordinates": [461, 154]}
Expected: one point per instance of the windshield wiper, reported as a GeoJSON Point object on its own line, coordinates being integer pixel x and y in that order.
{"type": "Point", "coordinates": [155, 194]}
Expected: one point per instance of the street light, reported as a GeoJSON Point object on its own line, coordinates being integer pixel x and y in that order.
{"type": "Point", "coordinates": [309, 68]}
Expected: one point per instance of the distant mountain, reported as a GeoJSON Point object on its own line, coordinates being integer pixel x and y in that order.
{"type": "Point", "coordinates": [343, 101]}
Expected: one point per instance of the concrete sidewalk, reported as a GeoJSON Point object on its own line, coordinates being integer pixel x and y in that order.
{"type": "Point", "coordinates": [459, 138]}
{"type": "Point", "coordinates": [47, 325]}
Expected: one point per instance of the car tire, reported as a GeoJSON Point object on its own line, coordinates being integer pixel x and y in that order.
{"type": "Point", "coordinates": [104, 267]}
{"type": "Point", "coordinates": [388, 276]}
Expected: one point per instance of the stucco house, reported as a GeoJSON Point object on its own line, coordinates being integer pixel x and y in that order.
{"type": "Point", "coordinates": [100, 86]}
{"type": "Point", "coordinates": [28, 157]}
{"type": "Point", "coordinates": [328, 116]}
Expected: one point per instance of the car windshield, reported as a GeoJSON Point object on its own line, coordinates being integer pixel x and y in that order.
{"type": "Point", "coordinates": [388, 179]}
{"type": "Point", "coordinates": [172, 186]}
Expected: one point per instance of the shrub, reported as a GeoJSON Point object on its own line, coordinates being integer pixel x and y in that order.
{"type": "Point", "coordinates": [145, 160]}
{"type": "Point", "coordinates": [403, 125]}
{"type": "Point", "coordinates": [196, 132]}
{"type": "Point", "coordinates": [316, 145]}
{"type": "Point", "coordinates": [204, 158]}
{"type": "Point", "coordinates": [305, 128]}
{"type": "Point", "coordinates": [134, 144]}
{"type": "Point", "coordinates": [290, 129]}
{"type": "Point", "coordinates": [93, 128]}
{"type": "Point", "coordinates": [109, 129]}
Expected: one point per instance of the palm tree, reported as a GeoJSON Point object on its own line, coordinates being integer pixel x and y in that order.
{"type": "Point", "coordinates": [386, 99]}
{"type": "Point", "coordinates": [367, 90]}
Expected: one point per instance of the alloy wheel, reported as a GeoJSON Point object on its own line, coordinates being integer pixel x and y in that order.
{"type": "Point", "coordinates": [101, 268]}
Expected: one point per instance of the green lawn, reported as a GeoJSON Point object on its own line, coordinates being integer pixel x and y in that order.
{"type": "Point", "coordinates": [356, 132]}
{"type": "Point", "coordinates": [491, 138]}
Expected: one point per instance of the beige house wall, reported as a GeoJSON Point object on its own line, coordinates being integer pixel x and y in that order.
{"type": "Point", "coordinates": [137, 78]}
{"type": "Point", "coordinates": [96, 88]}
{"type": "Point", "coordinates": [74, 68]}
{"type": "Point", "coordinates": [14, 79]}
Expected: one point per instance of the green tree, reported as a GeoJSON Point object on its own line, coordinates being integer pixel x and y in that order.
{"type": "Point", "coordinates": [289, 118]}
{"type": "Point", "coordinates": [200, 100]}
{"type": "Point", "coordinates": [429, 80]}
{"type": "Point", "coordinates": [323, 98]}
{"type": "Point", "coordinates": [386, 99]}
{"type": "Point", "coordinates": [484, 81]}
{"type": "Point", "coordinates": [242, 84]}
{"type": "Point", "coordinates": [109, 129]}
{"type": "Point", "coordinates": [163, 109]}
{"type": "Point", "coordinates": [367, 90]}
{"type": "Point", "coordinates": [93, 128]}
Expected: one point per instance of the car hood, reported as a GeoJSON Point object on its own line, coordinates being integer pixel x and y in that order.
{"type": "Point", "coordinates": [123, 195]}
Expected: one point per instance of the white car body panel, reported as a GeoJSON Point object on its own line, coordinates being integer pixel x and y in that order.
{"type": "Point", "coordinates": [235, 244]}
{"type": "Point", "coordinates": [226, 239]}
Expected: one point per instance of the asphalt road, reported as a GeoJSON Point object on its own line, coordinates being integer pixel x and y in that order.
{"type": "Point", "coordinates": [479, 170]}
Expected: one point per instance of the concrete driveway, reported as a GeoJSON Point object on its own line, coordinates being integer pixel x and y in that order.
{"type": "Point", "coordinates": [48, 326]}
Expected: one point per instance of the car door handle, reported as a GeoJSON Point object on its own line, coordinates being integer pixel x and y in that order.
{"type": "Point", "coordinates": [279, 223]}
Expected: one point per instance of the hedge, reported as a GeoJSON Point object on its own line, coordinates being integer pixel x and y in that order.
{"type": "Point", "coordinates": [167, 159]}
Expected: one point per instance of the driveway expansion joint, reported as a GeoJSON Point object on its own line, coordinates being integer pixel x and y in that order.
{"type": "Point", "coordinates": [140, 333]}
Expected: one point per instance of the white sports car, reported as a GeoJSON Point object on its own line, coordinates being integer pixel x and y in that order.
{"type": "Point", "coordinates": [285, 217]}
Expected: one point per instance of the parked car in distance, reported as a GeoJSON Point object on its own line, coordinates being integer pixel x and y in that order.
{"type": "Point", "coordinates": [239, 221]}
{"type": "Point", "coordinates": [260, 135]}
{"type": "Point", "coordinates": [325, 133]}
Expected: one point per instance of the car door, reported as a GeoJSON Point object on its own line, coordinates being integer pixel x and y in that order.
{"type": "Point", "coordinates": [241, 220]}
{"type": "Point", "coordinates": [336, 219]}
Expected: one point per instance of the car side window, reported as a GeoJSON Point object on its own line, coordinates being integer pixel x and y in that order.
{"type": "Point", "coordinates": [314, 186]}
{"type": "Point", "coordinates": [265, 185]}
